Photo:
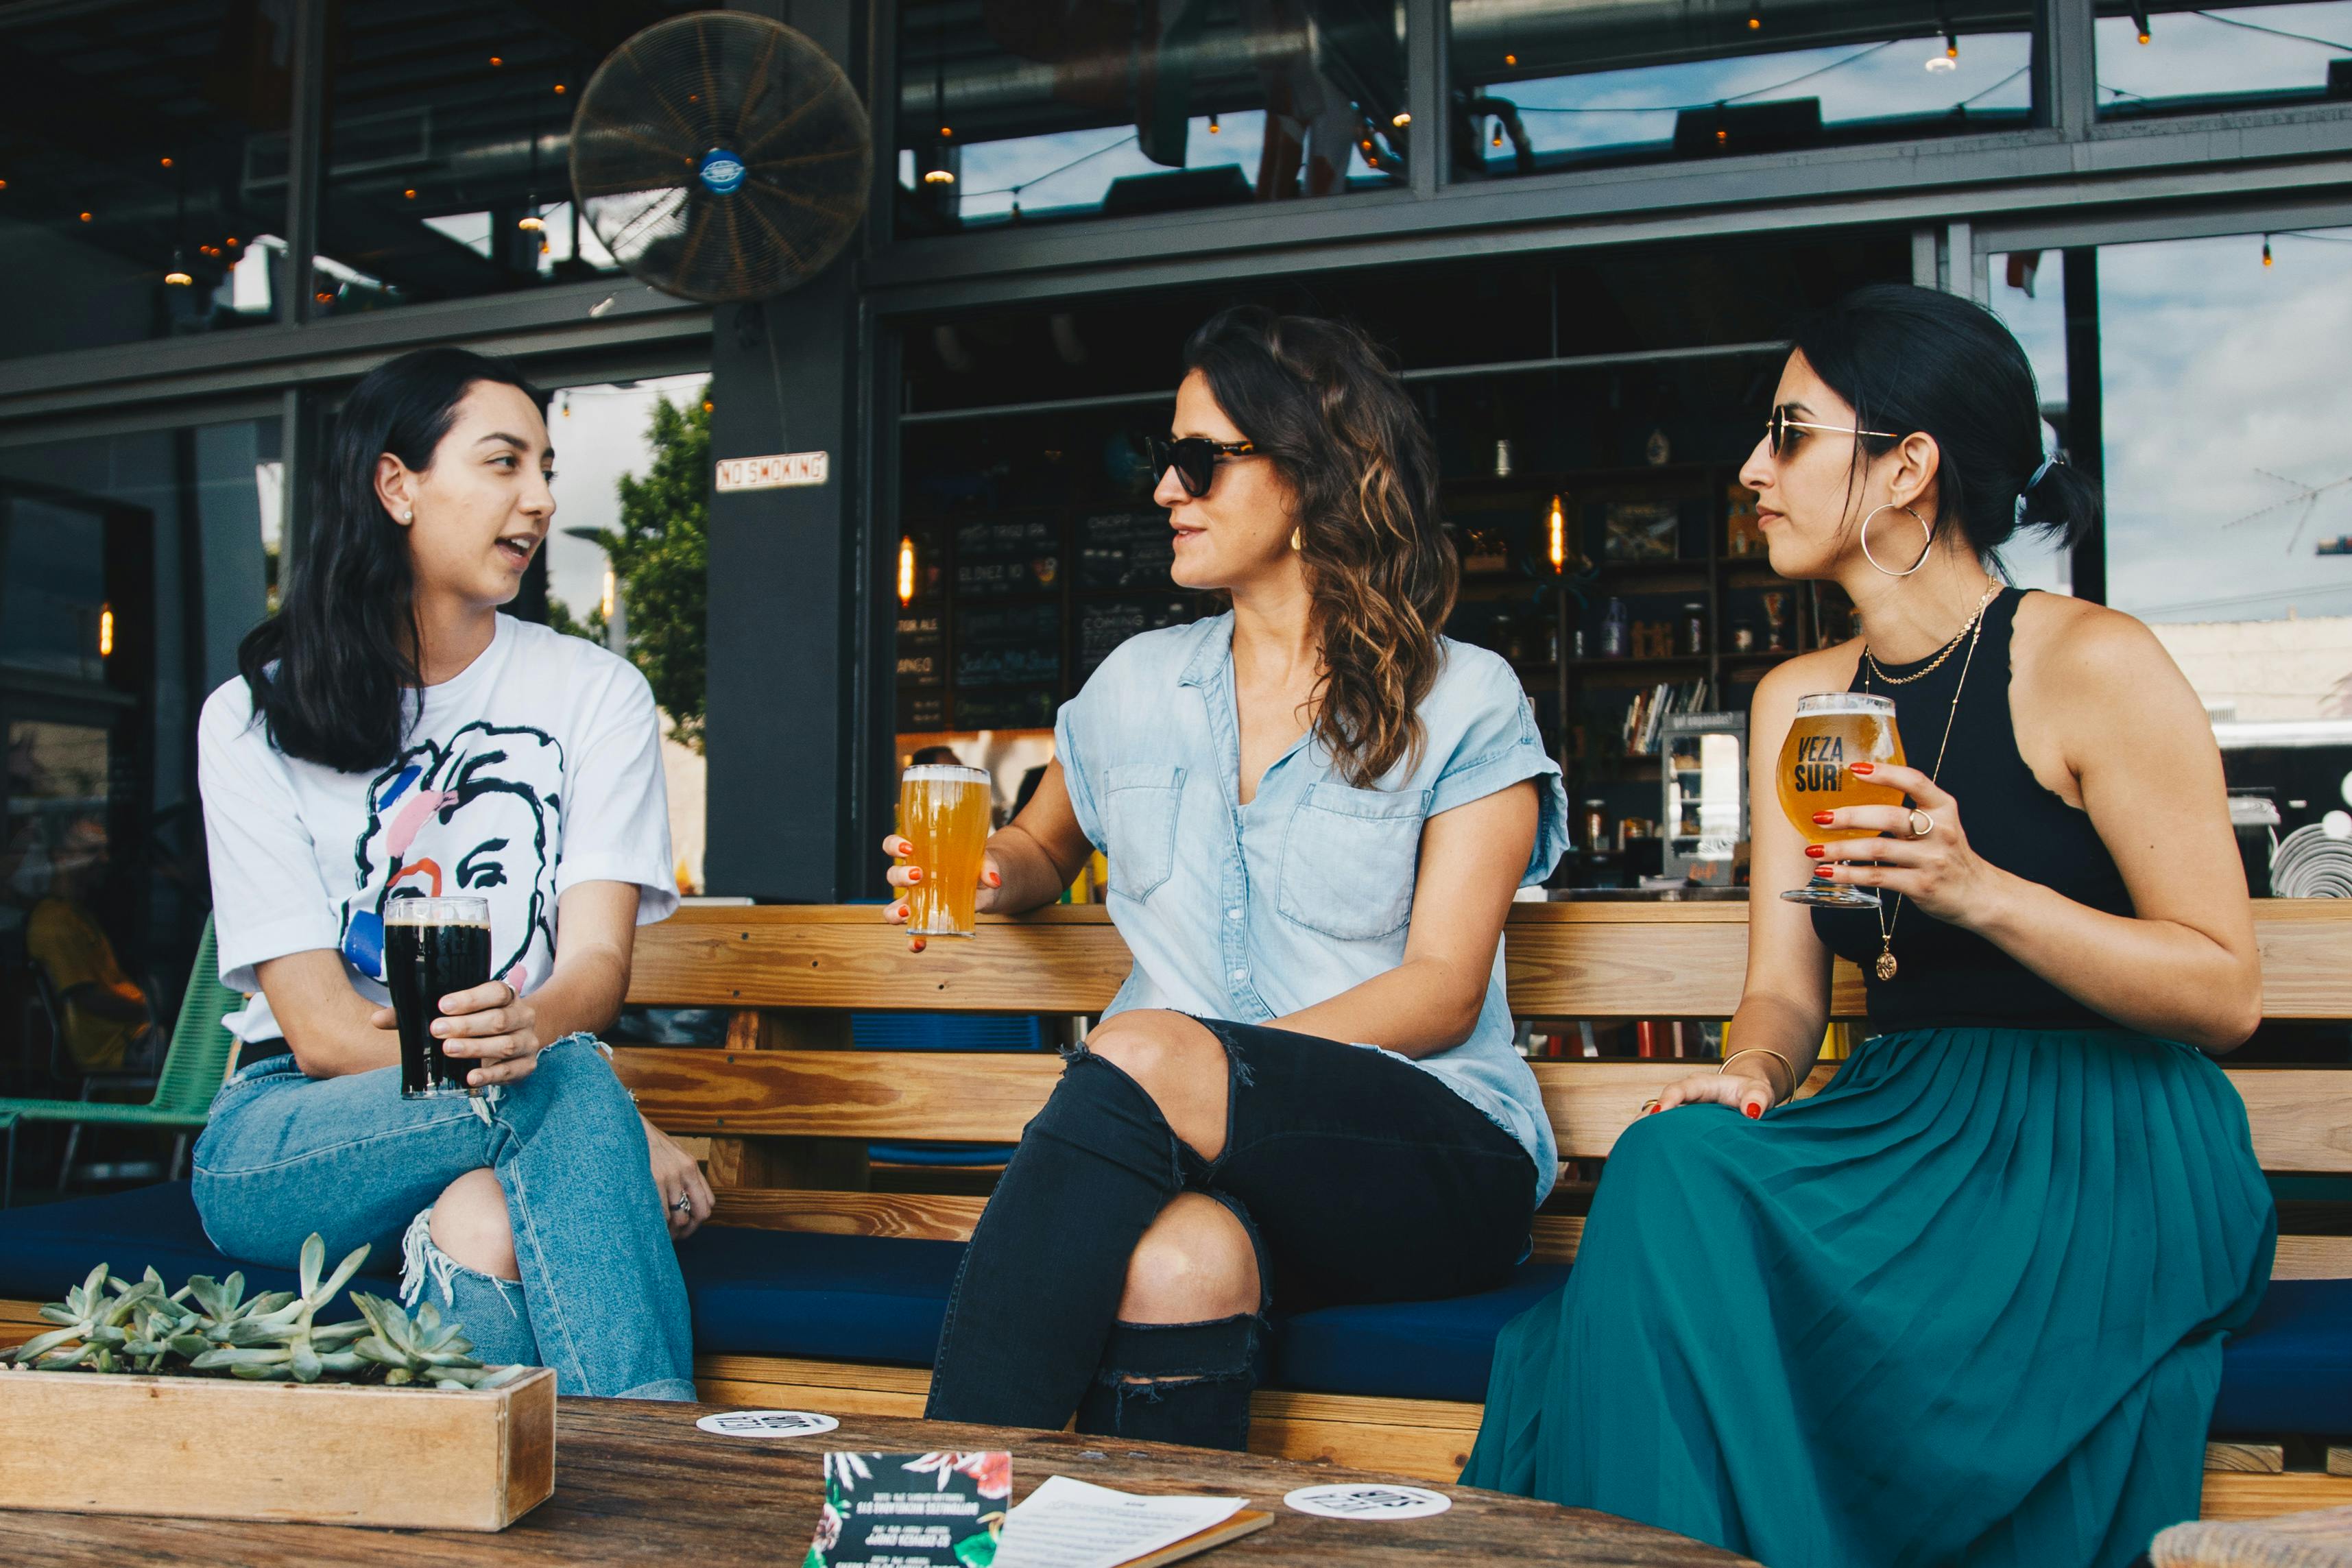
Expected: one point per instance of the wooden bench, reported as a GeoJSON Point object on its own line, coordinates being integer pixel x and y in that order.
{"type": "Point", "coordinates": [787, 1111]}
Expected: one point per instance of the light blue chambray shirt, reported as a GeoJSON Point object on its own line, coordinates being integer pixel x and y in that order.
{"type": "Point", "coordinates": [1251, 912]}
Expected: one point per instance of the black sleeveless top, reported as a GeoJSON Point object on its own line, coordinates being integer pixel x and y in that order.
{"type": "Point", "coordinates": [1946, 977]}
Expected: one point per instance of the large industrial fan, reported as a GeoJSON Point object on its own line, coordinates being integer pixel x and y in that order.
{"type": "Point", "coordinates": [721, 156]}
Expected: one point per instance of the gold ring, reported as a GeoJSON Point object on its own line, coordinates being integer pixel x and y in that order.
{"type": "Point", "coordinates": [1648, 1106]}
{"type": "Point", "coordinates": [1917, 818]}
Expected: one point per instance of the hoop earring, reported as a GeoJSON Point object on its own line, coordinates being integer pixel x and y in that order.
{"type": "Point", "coordinates": [1924, 549]}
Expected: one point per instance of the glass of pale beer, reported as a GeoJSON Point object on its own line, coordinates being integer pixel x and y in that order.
{"type": "Point", "coordinates": [943, 815]}
{"type": "Point", "coordinates": [1831, 732]}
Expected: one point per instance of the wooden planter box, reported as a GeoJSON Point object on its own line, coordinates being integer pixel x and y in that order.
{"type": "Point", "coordinates": [209, 1447]}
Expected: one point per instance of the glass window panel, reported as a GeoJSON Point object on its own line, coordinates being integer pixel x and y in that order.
{"type": "Point", "coordinates": [2229, 449]}
{"type": "Point", "coordinates": [2029, 294]}
{"type": "Point", "coordinates": [1543, 85]}
{"type": "Point", "coordinates": [130, 567]}
{"type": "Point", "coordinates": [1020, 110]}
{"type": "Point", "coordinates": [2177, 60]}
{"type": "Point", "coordinates": [132, 206]}
{"type": "Point", "coordinates": [447, 173]}
{"type": "Point", "coordinates": [603, 436]}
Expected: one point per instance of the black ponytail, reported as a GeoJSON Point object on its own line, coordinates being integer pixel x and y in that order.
{"type": "Point", "coordinates": [333, 674]}
{"type": "Point", "coordinates": [1909, 359]}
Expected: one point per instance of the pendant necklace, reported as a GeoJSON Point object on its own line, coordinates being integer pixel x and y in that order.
{"type": "Point", "coordinates": [1974, 630]}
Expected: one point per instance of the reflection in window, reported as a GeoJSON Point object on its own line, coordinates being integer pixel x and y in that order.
{"type": "Point", "coordinates": [2029, 295]}
{"type": "Point", "coordinates": [127, 200]}
{"type": "Point", "coordinates": [1020, 109]}
{"type": "Point", "coordinates": [2228, 445]}
{"type": "Point", "coordinates": [1552, 85]}
{"type": "Point", "coordinates": [447, 173]}
{"type": "Point", "coordinates": [2158, 59]}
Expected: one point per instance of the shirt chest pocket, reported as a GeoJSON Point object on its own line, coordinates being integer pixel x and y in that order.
{"type": "Point", "coordinates": [1349, 860]}
{"type": "Point", "coordinates": [1139, 801]}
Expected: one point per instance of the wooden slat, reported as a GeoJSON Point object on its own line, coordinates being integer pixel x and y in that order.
{"type": "Point", "coordinates": [2231, 1494]}
{"type": "Point", "coordinates": [912, 1216]}
{"type": "Point", "coordinates": [745, 960]}
{"type": "Point", "coordinates": [1575, 959]}
{"type": "Point", "coordinates": [2295, 1113]}
{"type": "Point", "coordinates": [2313, 1258]}
{"type": "Point", "coordinates": [2339, 1461]}
{"type": "Point", "coordinates": [957, 1097]}
{"type": "Point", "coordinates": [2254, 1459]}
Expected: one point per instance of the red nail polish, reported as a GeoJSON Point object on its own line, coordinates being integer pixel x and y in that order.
{"type": "Point", "coordinates": [1815, 851]}
{"type": "Point", "coordinates": [914, 875]}
{"type": "Point", "coordinates": [1823, 818]}
{"type": "Point", "coordinates": [1823, 870]}
{"type": "Point", "coordinates": [1865, 768]}
{"type": "Point", "coordinates": [1753, 1111]}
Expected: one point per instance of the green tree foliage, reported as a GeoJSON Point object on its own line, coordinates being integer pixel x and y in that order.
{"type": "Point", "coordinates": [660, 553]}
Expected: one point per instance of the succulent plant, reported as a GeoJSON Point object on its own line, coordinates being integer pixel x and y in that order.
{"type": "Point", "coordinates": [423, 1348]}
{"type": "Point", "coordinates": [289, 1343]}
{"type": "Point", "coordinates": [108, 1324]}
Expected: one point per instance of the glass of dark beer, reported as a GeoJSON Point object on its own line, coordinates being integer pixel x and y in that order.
{"type": "Point", "coordinates": [433, 948]}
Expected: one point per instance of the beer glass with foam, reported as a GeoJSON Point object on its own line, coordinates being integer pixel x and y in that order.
{"type": "Point", "coordinates": [943, 814]}
{"type": "Point", "coordinates": [433, 948]}
{"type": "Point", "coordinates": [1831, 732]}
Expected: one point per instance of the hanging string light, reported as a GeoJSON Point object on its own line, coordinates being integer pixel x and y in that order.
{"type": "Point", "coordinates": [1755, 16]}
{"type": "Point", "coordinates": [2139, 22]}
{"type": "Point", "coordinates": [2266, 250]}
{"type": "Point", "coordinates": [1213, 128]}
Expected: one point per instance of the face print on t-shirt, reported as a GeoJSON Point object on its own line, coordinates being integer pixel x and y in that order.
{"type": "Point", "coordinates": [471, 815]}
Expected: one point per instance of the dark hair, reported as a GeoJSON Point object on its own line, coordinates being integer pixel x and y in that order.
{"type": "Point", "coordinates": [1321, 400]}
{"type": "Point", "coordinates": [1910, 359]}
{"type": "Point", "coordinates": [334, 673]}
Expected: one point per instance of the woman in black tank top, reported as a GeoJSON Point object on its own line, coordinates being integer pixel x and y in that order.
{"type": "Point", "coordinates": [1964, 1305]}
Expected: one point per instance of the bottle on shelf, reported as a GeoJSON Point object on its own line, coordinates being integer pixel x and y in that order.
{"type": "Point", "coordinates": [1615, 630]}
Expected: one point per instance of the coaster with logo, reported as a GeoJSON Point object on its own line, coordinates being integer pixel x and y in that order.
{"type": "Point", "coordinates": [1368, 1502]}
{"type": "Point", "coordinates": [768, 1424]}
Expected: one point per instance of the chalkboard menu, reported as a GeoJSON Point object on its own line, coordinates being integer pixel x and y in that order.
{"type": "Point", "coordinates": [1007, 646]}
{"type": "Point", "coordinates": [1126, 549]}
{"type": "Point", "coordinates": [1007, 555]}
{"type": "Point", "coordinates": [922, 652]}
{"type": "Point", "coordinates": [1105, 623]}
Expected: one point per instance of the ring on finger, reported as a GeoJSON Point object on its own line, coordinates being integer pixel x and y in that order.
{"type": "Point", "coordinates": [1648, 1106]}
{"type": "Point", "coordinates": [685, 1204]}
{"type": "Point", "coordinates": [1922, 824]}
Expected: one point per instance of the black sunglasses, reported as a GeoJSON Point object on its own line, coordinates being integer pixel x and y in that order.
{"type": "Point", "coordinates": [1194, 458]}
{"type": "Point", "coordinates": [1780, 432]}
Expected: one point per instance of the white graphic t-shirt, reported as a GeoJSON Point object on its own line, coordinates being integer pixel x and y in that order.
{"type": "Point", "coordinates": [536, 768]}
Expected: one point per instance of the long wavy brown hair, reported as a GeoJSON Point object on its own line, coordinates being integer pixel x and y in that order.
{"type": "Point", "coordinates": [1320, 400]}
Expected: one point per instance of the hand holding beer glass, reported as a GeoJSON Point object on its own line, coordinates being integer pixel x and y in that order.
{"type": "Point", "coordinates": [433, 948]}
{"type": "Point", "coordinates": [942, 834]}
{"type": "Point", "coordinates": [1831, 732]}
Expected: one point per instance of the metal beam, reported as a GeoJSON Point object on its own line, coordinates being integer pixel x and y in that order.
{"type": "Point", "coordinates": [1428, 93]}
{"type": "Point", "coordinates": [2191, 157]}
{"type": "Point", "coordinates": [2065, 76]}
{"type": "Point", "coordinates": [306, 136]}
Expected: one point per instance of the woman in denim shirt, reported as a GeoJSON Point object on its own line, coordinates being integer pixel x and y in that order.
{"type": "Point", "coordinates": [1316, 811]}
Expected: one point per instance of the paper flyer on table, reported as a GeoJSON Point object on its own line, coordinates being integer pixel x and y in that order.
{"type": "Point", "coordinates": [1066, 1523]}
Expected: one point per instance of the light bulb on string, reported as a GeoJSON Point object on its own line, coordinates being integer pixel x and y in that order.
{"type": "Point", "coordinates": [2266, 250]}
{"type": "Point", "coordinates": [2139, 24]}
{"type": "Point", "coordinates": [1755, 16]}
{"type": "Point", "coordinates": [1498, 133]}
{"type": "Point", "coordinates": [1214, 129]}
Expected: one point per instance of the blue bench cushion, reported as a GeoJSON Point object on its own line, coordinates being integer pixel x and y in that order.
{"type": "Point", "coordinates": [876, 1298]}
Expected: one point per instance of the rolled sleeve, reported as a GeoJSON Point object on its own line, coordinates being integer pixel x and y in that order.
{"type": "Point", "coordinates": [1499, 745]}
{"type": "Point", "coordinates": [1069, 751]}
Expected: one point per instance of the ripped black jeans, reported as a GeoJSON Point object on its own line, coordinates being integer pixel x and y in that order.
{"type": "Point", "coordinates": [1359, 1176]}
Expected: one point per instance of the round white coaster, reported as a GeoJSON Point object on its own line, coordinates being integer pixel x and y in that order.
{"type": "Point", "coordinates": [767, 1424]}
{"type": "Point", "coordinates": [1368, 1502]}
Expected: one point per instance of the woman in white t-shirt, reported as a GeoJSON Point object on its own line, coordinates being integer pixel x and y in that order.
{"type": "Point", "coordinates": [393, 736]}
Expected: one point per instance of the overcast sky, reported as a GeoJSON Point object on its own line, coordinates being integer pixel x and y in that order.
{"type": "Point", "coordinates": [601, 437]}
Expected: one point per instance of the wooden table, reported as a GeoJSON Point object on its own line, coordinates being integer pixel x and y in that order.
{"type": "Point", "coordinates": [637, 1482]}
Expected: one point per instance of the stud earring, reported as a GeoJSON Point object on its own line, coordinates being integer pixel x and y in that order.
{"type": "Point", "coordinates": [409, 516]}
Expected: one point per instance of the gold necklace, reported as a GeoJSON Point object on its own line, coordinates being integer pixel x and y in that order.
{"type": "Point", "coordinates": [1885, 967]}
{"type": "Point", "coordinates": [1942, 654]}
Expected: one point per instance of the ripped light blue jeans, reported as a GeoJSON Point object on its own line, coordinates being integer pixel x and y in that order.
{"type": "Point", "coordinates": [600, 1299]}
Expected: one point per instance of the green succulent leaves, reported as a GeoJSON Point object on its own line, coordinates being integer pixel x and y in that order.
{"type": "Point", "coordinates": [207, 1326]}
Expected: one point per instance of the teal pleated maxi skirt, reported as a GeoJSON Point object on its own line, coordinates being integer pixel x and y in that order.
{"type": "Point", "coordinates": [1965, 1306]}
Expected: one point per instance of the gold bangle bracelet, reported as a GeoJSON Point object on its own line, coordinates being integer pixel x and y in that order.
{"type": "Point", "coordinates": [1765, 1050]}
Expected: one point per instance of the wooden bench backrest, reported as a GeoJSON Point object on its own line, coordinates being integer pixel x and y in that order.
{"type": "Point", "coordinates": [1564, 960]}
